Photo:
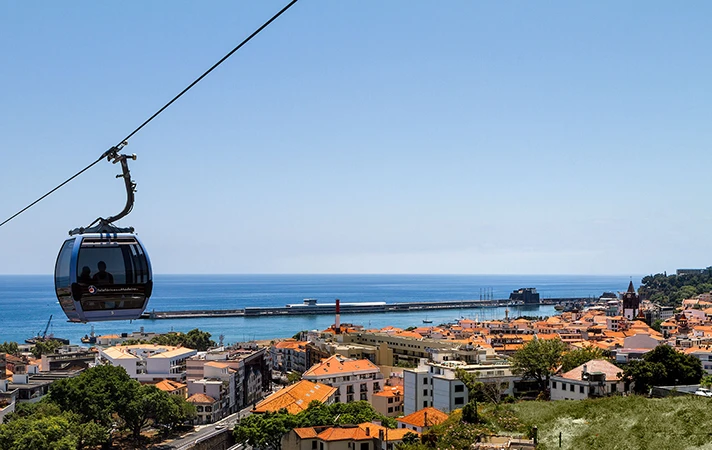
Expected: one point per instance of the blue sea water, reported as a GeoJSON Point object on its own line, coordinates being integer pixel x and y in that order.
{"type": "Point", "coordinates": [27, 301]}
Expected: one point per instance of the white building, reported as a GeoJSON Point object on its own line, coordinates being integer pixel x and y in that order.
{"type": "Point", "coordinates": [354, 379]}
{"type": "Point", "coordinates": [596, 378]}
{"type": "Point", "coordinates": [148, 362]}
{"type": "Point", "coordinates": [435, 385]}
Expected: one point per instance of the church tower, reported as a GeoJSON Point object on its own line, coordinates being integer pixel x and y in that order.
{"type": "Point", "coordinates": [631, 303]}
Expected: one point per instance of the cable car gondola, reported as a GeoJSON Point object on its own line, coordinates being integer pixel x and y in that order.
{"type": "Point", "coordinates": [103, 271]}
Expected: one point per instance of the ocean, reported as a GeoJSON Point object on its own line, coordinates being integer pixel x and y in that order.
{"type": "Point", "coordinates": [27, 301]}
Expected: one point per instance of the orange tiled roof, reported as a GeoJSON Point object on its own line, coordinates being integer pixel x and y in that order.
{"type": "Point", "coordinates": [343, 434]}
{"type": "Point", "coordinates": [390, 391]}
{"type": "Point", "coordinates": [201, 398]}
{"type": "Point", "coordinates": [337, 365]}
{"type": "Point", "coordinates": [398, 434]}
{"type": "Point", "coordinates": [372, 428]}
{"type": "Point", "coordinates": [410, 334]}
{"type": "Point", "coordinates": [291, 344]}
{"type": "Point", "coordinates": [548, 336]}
{"type": "Point", "coordinates": [295, 398]}
{"type": "Point", "coordinates": [306, 433]}
{"type": "Point", "coordinates": [595, 365]}
{"type": "Point", "coordinates": [417, 419]}
{"type": "Point", "coordinates": [169, 385]}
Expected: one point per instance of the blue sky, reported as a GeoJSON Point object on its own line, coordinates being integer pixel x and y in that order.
{"type": "Point", "coordinates": [366, 137]}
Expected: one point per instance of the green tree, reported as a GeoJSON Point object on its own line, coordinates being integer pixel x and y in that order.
{"type": "Point", "coordinates": [265, 431]}
{"type": "Point", "coordinates": [147, 403]}
{"type": "Point", "coordinates": [575, 358]}
{"type": "Point", "coordinates": [10, 347]}
{"type": "Point", "coordinates": [47, 347]}
{"type": "Point", "coordinates": [184, 411]}
{"type": "Point", "coordinates": [538, 360]}
{"type": "Point", "coordinates": [196, 339]}
{"type": "Point", "coordinates": [656, 325]}
{"type": "Point", "coordinates": [45, 426]}
{"type": "Point", "coordinates": [663, 366]}
{"type": "Point", "coordinates": [293, 377]}
{"type": "Point", "coordinates": [199, 340]}
{"type": "Point", "coordinates": [96, 394]}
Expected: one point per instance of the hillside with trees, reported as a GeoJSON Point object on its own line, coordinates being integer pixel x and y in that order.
{"type": "Point", "coordinates": [671, 290]}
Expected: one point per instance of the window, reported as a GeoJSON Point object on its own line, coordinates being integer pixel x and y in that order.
{"type": "Point", "coordinates": [390, 399]}
{"type": "Point", "coordinates": [553, 384]}
{"type": "Point", "coordinates": [425, 392]}
{"type": "Point", "coordinates": [459, 388]}
{"type": "Point", "coordinates": [313, 445]}
{"type": "Point", "coordinates": [364, 446]}
{"type": "Point", "coordinates": [425, 404]}
{"type": "Point", "coordinates": [390, 409]}
{"type": "Point", "coordinates": [571, 387]}
{"type": "Point", "coordinates": [459, 400]}
{"type": "Point", "coordinates": [614, 387]}
{"type": "Point", "coordinates": [321, 446]}
{"type": "Point", "coordinates": [563, 386]}
{"type": "Point", "coordinates": [580, 389]}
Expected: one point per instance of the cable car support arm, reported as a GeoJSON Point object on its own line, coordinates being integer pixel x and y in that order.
{"type": "Point", "coordinates": [102, 225]}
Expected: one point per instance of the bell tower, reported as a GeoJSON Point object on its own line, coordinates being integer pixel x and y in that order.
{"type": "Point", "coordinates": [631, 303]}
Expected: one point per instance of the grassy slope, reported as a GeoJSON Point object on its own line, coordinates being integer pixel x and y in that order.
{"type": "Point", "coordinates": [619, 423]}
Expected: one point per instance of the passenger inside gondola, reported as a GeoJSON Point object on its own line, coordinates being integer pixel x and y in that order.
{"type": "Point", "coordinates": [85, 276]}
{"type": "Point", "coordinates": [102, 276]}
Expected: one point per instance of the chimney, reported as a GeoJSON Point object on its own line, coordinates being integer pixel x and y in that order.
{"type": "Point", "coordinates": [425, 419]}
{"type": "Point", "coordinates": [337, 323]}
{"type": "Point", "coordinates": [368, 431]}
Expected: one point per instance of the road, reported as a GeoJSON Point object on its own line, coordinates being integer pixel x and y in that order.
{"type": "Point", "coordinates": [201, 432]}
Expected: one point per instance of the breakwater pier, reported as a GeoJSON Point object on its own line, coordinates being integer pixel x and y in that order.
{"type": "Point", "coordinates": [380, 307]}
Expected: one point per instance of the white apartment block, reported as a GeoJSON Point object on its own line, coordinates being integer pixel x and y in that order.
{"type": "Point", "coordinates": [354, 379]}
{"type": "Point", "coordinates": [435, 385]}
{"type": "Point", "coordinates": [148, 362]}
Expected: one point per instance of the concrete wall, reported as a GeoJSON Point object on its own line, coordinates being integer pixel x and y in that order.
{"type": "Point", "coordinates": [219, 441]}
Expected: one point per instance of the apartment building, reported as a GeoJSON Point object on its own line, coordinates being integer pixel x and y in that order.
{"type": "Point", "coordinates": [148, 362]}
{"type": "Point", "coordinates": [354, 379]}
{"type": "Point", "coordinates": [251, 366]}
{"type": "Point", "coordinates": [389, 401]}
{"type": "Point", "coordinates": [434, 384]}
{"type": "Point", "coordinates": [289, 356]}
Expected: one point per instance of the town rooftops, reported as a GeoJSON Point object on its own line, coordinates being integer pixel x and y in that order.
{"type": "Point", "coordinates": [169, 385]}
{"type": "Point", "coordinates": [201, 398]}
{"type": "Point", "coordinates": [431, 415]}
{"type": "Point", "coordinates": [150, 351]}
{"type": "Point", "coordinates": [390, 391]}
{"type": "Point", "coordinates": [344, 434]}
{"type": "Point", "coordinates": [595, 366]}
{"type": "Point", "coordinates": [306, 433]}
{"type": "Point", "coordinates": [337, 365]}
{"type": "Point", "coordinates": [295, 398]}
{"type": "Point", "coordinates": [290, 344]}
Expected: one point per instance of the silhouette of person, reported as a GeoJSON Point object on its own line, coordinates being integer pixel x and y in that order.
{"type": "Point", "coordinates": [102, 276]}
{"type": "Point", "coordinates": [85, 276]}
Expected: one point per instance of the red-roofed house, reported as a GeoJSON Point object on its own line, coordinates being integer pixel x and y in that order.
{"type": "Point", "coordinates": [354, 379]}
{"type": "Point", "coordinates": [596, 378]}
{"type": "Point", "coordinates": [206, 407]}
{"type": "Point", "coordinates": [389, 401]}
{"type": "Point", "coordinates": [422, 420]}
